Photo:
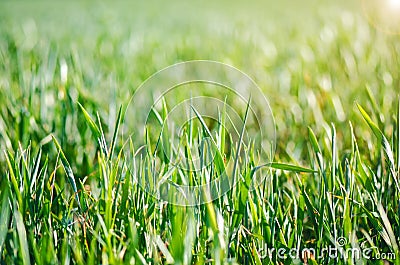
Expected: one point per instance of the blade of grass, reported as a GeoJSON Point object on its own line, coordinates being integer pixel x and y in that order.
{"type": "Point", "coordinates": [68, 171]}
{"type": "Point", "coordinates": [168, 257]}
{"type": "Point", "coordinates": [286, 167]}
{"type": "Point", "coordinates": [4, 217]}
{"type": "Point", "coordinates": [14, 181]}
{"type": "Point", "coordinates": [115, 135]}
{"type": "Point", "coordinates": [93, 127]}
{"type": "Point", "coordinates": [23, 239]}
{"type": "Point", "coordinates": [239, 145]}
{"type": "Point", "coordinates": [385, 143]}
{"type": "Point", "coordinates": [291, 168]}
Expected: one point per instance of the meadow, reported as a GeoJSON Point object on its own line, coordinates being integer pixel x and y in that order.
{"type": "Point", "coordinates": [77, 188]}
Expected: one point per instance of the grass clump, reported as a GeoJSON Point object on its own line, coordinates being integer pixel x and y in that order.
{"type": "Point", "coordinates": [70, 185]}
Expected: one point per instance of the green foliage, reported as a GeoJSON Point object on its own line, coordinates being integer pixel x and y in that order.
{"type": "Point", "coordinates": [72, 183]}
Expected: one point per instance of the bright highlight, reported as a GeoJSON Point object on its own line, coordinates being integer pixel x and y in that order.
{"type": "Point", "coordinates": [394, 4]}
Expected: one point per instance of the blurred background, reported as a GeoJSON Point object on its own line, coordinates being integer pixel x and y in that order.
{"type": "Point", "coordinates": [312, 59]}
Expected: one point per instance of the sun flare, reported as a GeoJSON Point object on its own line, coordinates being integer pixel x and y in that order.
{"type": "Point", "coordinates": [394, 4]}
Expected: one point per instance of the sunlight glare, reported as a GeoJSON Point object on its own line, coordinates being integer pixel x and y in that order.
{"type": "Point", "coordinates": [394, 4]}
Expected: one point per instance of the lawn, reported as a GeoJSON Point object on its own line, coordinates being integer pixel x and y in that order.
{"type": "Point", "coordinates": [199, 133]}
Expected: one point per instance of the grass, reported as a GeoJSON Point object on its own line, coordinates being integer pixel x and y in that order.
{"type": "Point", "coordinates": [75, 187]}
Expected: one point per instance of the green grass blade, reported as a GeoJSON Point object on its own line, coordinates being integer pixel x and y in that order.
{"type": "Point", "coordinates": [385, 143]}
{"type": "Point", "coordinates": [168, 257]}
{"type": "Point", "coordinates": [4, 217]}
{"type": "Point", "coordinates": [23, 239]}
{"type": "Point", "coordinates": [68, 171]}
{"type": "Point", "coordinates": [115, 135]}
{"type": "Point", "coordinates": [204, 125]}
{"type": "Point", "coordinates": [239, 144]}
{"type": "Point", "coordinates": [14, 181]}
{"type": "Point", "coordinates": [286, 167]}
{"type": "Point", "coordinates": [291, 168]}
{"type": "Point", "coordinates": [92, 125]}
{"type": "Point", "coordinates": [398, 136]}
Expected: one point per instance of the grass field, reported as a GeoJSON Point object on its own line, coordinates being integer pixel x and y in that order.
{"type": "Point", "coordinates": [77, 188]}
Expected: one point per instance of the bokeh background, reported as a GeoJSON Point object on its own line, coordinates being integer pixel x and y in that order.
{"type": "Point", "coordinates": [312, 59]}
